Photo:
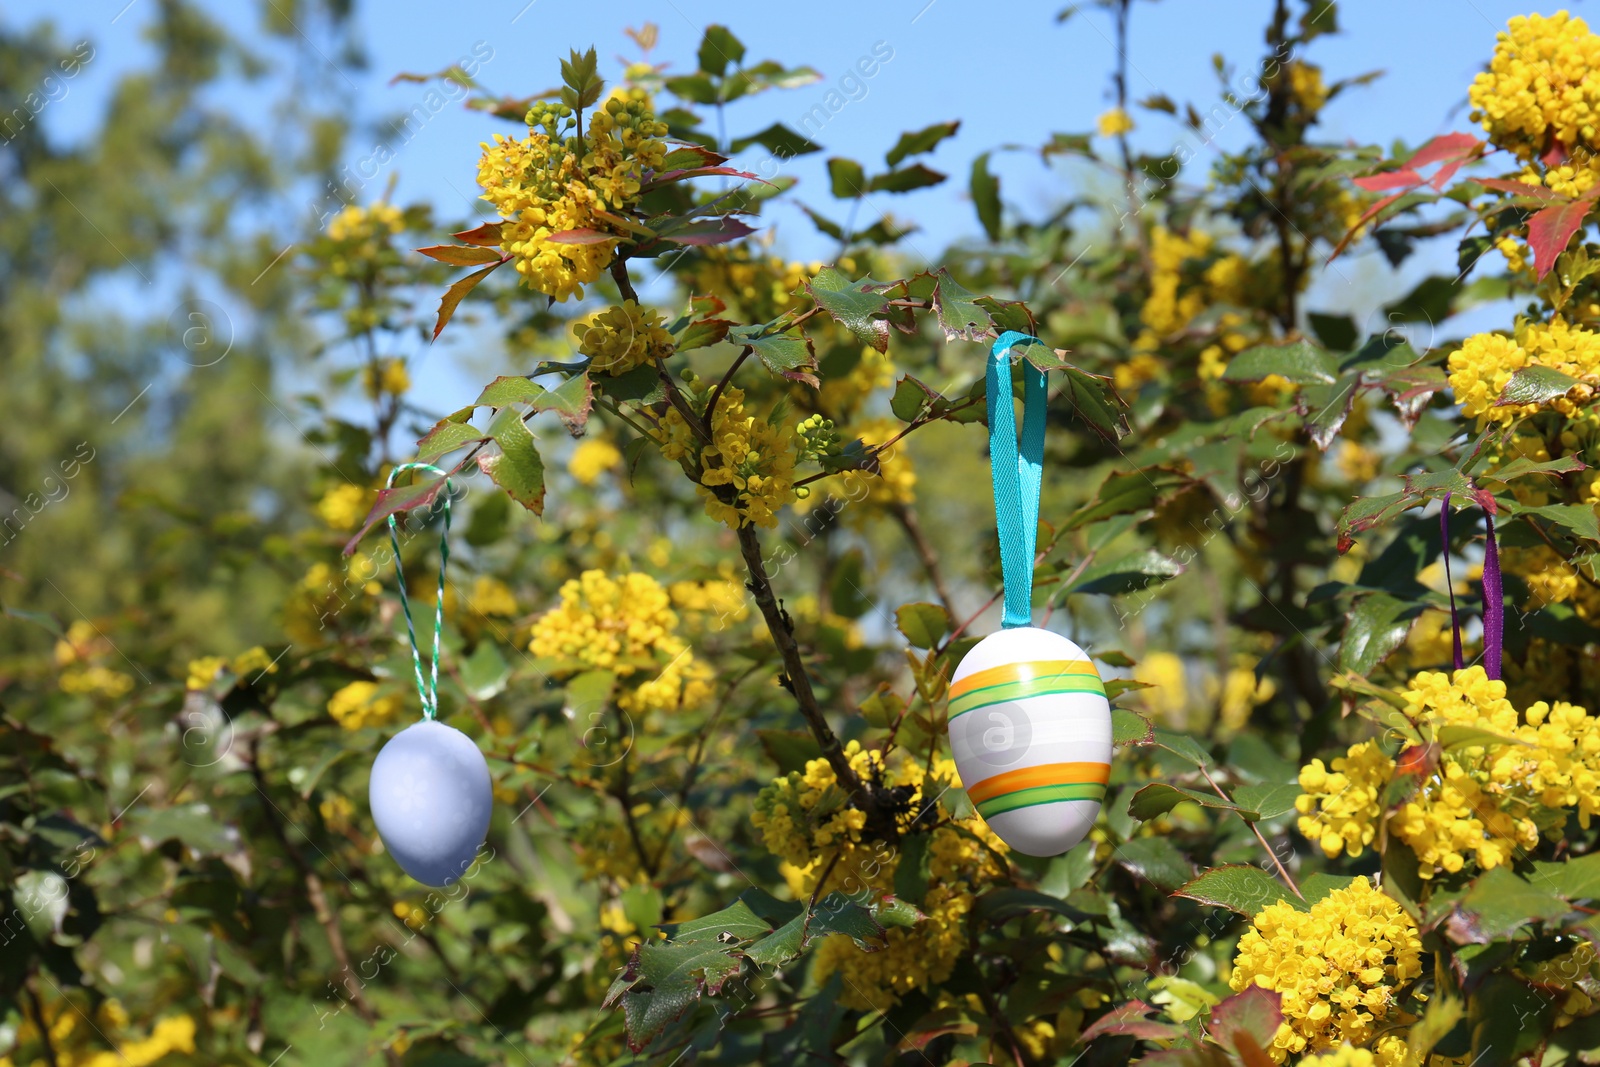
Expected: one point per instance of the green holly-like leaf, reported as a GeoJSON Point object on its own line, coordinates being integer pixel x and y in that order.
{"type": "Point", "coordinates": [1535, 385]}
{"type": "Point", "coordinates": [517, 467]}
{"type": "Point", "coordinates": [1300, 362]}
{"type": "Point", "coordinates": [1158, 798]}
{"type": "Point", "coordinates": [922, 624]}
{"type": "Point", "coordinates": [985, 189]}
{"type": "Point", "coordinates": [1500, 904]}
{"type": "Point", "coordinates": [1127, 574]}
{"type": "Point", "coordinates": [1580, 519]}
{"type": "Point", "coordinates": [580, 79]}
{"type": "Point", "coordinates": [788, 355]}
{"type": "Point", "coordinates": [848, 178]}
{"type": "Point", "coordinates": [1156, 860]}
{"type": "Point", "coordinates": [719, 49]}
{"type": "Point", "coordinates": [1127, 492]}
{"type": "Point", "coordinates": [1267, 800]}
{"type": "Point", "coordinates": [920, 141]}
{"type": "Point", "coordinates": [960, 316]}
{"type": "Point", "coordinates": [1238, 887]}
{"type": "Point", "coordinates": [1129, 728]}
{"type": "Point", "coordinates": [1378, 624]}
{"type": "Point", "coordinates": [905, 180]}
{"type": "Point", "coordinates": [854, 305]}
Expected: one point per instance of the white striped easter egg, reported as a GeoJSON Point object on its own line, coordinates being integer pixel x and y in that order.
{"type": "Point", "coordinates": [1030, 728]}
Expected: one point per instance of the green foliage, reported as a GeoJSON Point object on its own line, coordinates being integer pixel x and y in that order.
{"type": "Point", "coordinates": [707, 653]}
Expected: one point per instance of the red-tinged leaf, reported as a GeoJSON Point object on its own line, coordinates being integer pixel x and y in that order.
{"type": "Point", "coordinates": [446, 436]}
{"type": "Point", "coordinates": [392, 502]}
{"type": "Point", "coordinates": [1247, 1023]}
{"type": "Point", "coordinates": [456, 293]}
{"type": "Point", "coordinates": [1128, 1020]}
{"type": "Point", "coordinates": [1549, 231]}
{"type": "Point", "coordinates": [1451, 147]}
{"type": "Point", "coordinates": [461, 255]}
{"type": "Point", "coordinates": [1366, 216]}
{"type": "Point", "coordinates": [581, 236]}
{"type": "Point", "coordinates": [707, 304]}
{"type": "Point", "coordinates": [1405, 178]}
{"type": "Point", "coordinates": [486, 236]}
{"type": "Point", "coordinates": [622, 222]}
{"type": "Point", "coordinates": [709, 232]}
{"type": "Point", "coordinates": [1505, 185]}
{"type": "Point", "coordinates": [686, 156]}
{"type": "Point", "coordinates": [668, 177]}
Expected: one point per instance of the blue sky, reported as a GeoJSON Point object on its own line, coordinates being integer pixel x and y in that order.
{"type": "Point", "coordinates": [1008, 70]}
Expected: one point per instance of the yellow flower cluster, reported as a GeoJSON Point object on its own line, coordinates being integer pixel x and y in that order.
{"type": "Point", "coordinates": [386, 377]}
{"type": "Point", "coordinates": [360, 704]}
{"type": "Point", "coordinates": [1341, 807]}
{"type": "Point", "coordinates": [1538, 92]}
{"type": "Point", "coordinates": [1114, 122]}
{"type": "Point", "coordinates": [543, 186]}
{"type": "Point", "coordinates": [1551, 579]}
{"type": "Point", "coordinates": [896, 482]}
{"type": "Point", "coordinates": [1336, 966]}
{"type": "Point", "coordinates": [622, 337]}
{"type": "Point", "coordinates": [843, 394]}
{"type": "Point", "coordinates": [344, 506]}
{"type": "Point", "coordinates": [591, 459]}
{"type": "Point", "coordinates": [78, 652]}
{"type": "Point", "coordinates": [724, 600]}
{"type": "Point", "coordinates": [762, 287]}
{"type": "Point", "coordinates": [1569, 973]}
{"type": "Point", "coordinates": [1305, 82]}
{"type": "Point", "coordinates": [627, 626]}
{"type": "Point", "coordinates": [203, 671]}
{"type": "Point", "coordinates": [491, 596]}
{"type": "Point", "coordinates": [70, 1029]}
{"type": "Point", "coordinates": [1481, 801]}
{"type": "Point", "coordinates": [1485, 362]}
{"type": "Point", "coordinates": [751, 456]}
{"type": "Point", "coordinates": [1180, 291]}
{"type": "Point", "coordinates": [357, 223]}
{"type": "Point", "coordinates": [805, 820]}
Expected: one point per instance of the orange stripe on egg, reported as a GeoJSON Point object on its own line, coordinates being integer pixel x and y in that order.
{"type": "Point", "coordinates": [1044, 774]}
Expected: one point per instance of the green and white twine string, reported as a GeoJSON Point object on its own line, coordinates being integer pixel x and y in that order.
{"type": "Point", "coordinates": [429, 691]}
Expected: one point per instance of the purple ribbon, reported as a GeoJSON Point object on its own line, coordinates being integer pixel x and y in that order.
{"type": "Point", "coordinates": [1455, 621]}
{"type": "Point", "coordinates": [1494, 601]}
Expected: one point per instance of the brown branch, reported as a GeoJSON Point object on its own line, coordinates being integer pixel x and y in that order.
{"type": "Point", "coordinates": [874, 453]}
{"type": "Point", "coordinates": [619, 274]}
{"type": "Point", "coordinates": [1282, 871]}
{"type": "Point", "coordinates": [40, 1022]}
{"type": "Point", "coordinates": [695, 762]}
{"type": "Point", "coordinates": [930, 559]}
{"type": "Point", "coordinates": [716, 394]}
{"type": "Point", "coordinates": [798, 682]}
{"type": "Point", "coordinates": [314, 890]}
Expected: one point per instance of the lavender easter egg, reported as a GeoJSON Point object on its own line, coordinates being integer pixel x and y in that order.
{"type": "Point", "coordinates": [431, 799]}
{"type": "Point", "coordinates": [1030, 728]}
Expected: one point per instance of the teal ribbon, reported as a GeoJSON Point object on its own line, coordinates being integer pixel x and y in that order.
{"type": "Point", "coordinates": [1018, 473]}
{"type": "Point", "coordinates": [429, 692]}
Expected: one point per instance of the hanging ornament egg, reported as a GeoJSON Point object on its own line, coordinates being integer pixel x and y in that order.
{"type": "Point", "coordinates": [1030, 728]}
{"type": "Point", "coordinates": [431, 798]}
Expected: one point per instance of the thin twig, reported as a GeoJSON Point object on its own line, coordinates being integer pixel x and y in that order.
{"type": "Point", "coordinates": [930, 559]}
{"type": "Point", "coordinates": [1282, 871]}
